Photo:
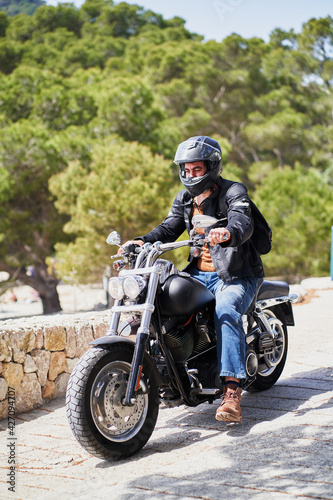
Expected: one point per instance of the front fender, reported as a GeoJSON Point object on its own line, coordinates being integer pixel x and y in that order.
{"type": "Point", "coordinates": [112, 339]}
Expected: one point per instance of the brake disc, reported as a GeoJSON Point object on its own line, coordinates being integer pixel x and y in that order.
{"type": "Point", "coordinates": [118, 415]}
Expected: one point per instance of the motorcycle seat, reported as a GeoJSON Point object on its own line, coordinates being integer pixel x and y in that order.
{"type": "Point", "coordinates": [272, 289]}
{"type": "Point", "coordinates": [269, 290]}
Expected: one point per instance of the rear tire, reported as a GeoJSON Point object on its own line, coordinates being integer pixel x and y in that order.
{"type": "Point", "coordinates": [268, 375]}
{"type": "Point", "coordinates": [99, 421]}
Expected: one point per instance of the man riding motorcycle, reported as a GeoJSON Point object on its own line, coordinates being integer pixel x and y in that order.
{"type": "Point", "coordinates": [229, 266]}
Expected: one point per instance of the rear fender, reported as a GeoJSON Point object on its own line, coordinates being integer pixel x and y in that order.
{"type": "Point", "coordinates": [284, 312]}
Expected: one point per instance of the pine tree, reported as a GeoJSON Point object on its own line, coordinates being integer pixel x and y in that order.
{"type": "Point", "coordinates": [13, 7]}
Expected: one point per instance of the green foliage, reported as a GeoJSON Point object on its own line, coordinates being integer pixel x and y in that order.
{"type": "Point", "coordinates": [20, 29]}
{"type": "Point", "coordinates": [3, 23]}
{"type": "Point", "coordinates": [29, 223]}
{"type": "Point", "coordinates": [13, 7]}
{"type": "Point", "coordinates": [65, 15]}
{"type": "Point", "coordinates": [78, 86]}
{"type": "Point", "coordinates": [127, 108]}
{"type": "Point", "coordinates": [316, 40]}
{"type": "Point", "coordinates": [10, 56]}
{"type": "Point", "coordinates": [282, 133]}
{"type": "Point", "coordinates": [126, 188]}
{"type": "Point", "coordinates": [19, 90]}
{"type": "Point", "coordinates": [299, 206]}
{"type": "Point", "coordinates": [59, 107]}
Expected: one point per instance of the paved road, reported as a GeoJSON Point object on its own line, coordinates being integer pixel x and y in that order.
{"type": "Point", "coordinates": [282, 450]}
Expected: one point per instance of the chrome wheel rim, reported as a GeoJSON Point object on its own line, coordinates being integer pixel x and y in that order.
{"type": "Point", "coordinates": [271, 360]}
{"type": "Point", "coordinates": [114, 420]}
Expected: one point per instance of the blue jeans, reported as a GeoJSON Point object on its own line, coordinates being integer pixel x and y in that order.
{"type": "Point", "coordinates": [232, 301]}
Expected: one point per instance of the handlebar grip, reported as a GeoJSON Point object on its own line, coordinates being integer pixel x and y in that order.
{"type": "Point", "coordinates": [131, 248]}
{"type": "Point", "coordinates": [200, 242]}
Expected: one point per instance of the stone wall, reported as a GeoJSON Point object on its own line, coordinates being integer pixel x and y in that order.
{"type": "Point", "coordinates": [38, 354]}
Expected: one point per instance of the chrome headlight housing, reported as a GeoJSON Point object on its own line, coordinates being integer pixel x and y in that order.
{"type": "Point", "coordinates": [133, 285]}
{"type": "Point", "coordinates": [115, 287]}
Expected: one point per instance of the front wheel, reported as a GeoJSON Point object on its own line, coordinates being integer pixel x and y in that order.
{"type": "Point", "coordinates": [94, 403]}
{"type": "Point", "coordinates": [270, 366]}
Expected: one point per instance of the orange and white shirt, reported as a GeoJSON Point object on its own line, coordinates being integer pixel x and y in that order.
{"type": "Point", "coordinates": [205, 262]}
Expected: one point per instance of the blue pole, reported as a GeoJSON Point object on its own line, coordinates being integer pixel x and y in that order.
{"type": "Point", "coordinates": [332, 254]}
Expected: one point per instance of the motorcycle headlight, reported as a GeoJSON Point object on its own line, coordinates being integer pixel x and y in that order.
{"type": "Point", "coordinates": [116, 288]}
{"type": "Point", "coordinates": [133, 286]}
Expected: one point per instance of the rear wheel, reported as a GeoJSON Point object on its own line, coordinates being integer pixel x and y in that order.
{"type": "Point", "coordinates": [101, 423]}
{"type": "Point", "coordinates": [270, 365]}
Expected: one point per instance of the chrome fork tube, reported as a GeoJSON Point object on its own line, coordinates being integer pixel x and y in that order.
{"type": "Point", "coordinates": [114, 320]}
{"type": "Point", "coordinates": [141, 341]}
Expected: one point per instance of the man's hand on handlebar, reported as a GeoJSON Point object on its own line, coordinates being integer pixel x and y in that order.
{"type": "Point", "coordinates": [130, 242]}
{"type": "Point", "coordinates": [218, 235]}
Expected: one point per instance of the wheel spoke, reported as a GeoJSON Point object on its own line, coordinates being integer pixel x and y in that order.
{"type": "Point", "coordinates": [113, 419]}
{"type": "Point", "coordinates": [272, 359]}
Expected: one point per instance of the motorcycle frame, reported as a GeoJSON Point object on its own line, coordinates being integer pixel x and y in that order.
{"type": "Point", "coordinates": [154, 270]}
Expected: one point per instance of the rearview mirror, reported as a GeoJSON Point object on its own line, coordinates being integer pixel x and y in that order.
{"type": "Point", "coordinates": [114, 239]}
{"type": "Point", "coordinates": [203, 221]}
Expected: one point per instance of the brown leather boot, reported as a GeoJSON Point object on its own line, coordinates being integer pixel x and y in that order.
{"type": "Point", "coordinates": [230, 410]}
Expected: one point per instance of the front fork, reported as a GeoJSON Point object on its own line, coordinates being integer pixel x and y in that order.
{"type": "Point", "coordinates": [141, 337]}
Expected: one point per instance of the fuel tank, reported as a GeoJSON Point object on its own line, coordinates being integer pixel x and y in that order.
{"type": "Point", "coordinates": [183, 295]}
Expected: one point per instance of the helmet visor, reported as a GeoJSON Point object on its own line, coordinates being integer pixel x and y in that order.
{"type": "Point", "coordinates": [195, 149]}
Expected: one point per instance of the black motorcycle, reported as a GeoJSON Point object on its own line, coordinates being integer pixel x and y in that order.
{"type": "Point", "coordinates": [161, 348]}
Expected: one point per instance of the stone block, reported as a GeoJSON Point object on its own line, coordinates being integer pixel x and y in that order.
{"type": "Point", "coordinates": [57, 364]}
{"type": "Point", "coordinates": [28, 394]}
{"type": "Point", "coordinates": [55, 338]}
{"type": "Point", "coordinates": [12, 373]}
{"type": "Point", "coordinates": [84, 335]}
{"type": "Point", "coordinates": [48, 390]}
{"type": "Point", "coordinates": [3, 389]}
{"type": "Point", "coordinates": [5, 350]}
{"type": "Point", "coordinates": [60, 385]}
{"type": "Point", "coordinates": [100, 330]}
{"type": "Point", "coordinates": [37, 356]}
{"type": "Point", "coordinates": [39, 338]}
{"type": "Point", "coordinates": [21, 342]}
{"type": "Point", "coordinates": [3, 409]}
{"type": "Point", "coordinates": [70, 363]}
{"type": "Point", "coordinates": [41, 359]}
{"type": "Point", "coordinates": [29, 365]}
{"type": "Point", "coordinates": [71, 342]}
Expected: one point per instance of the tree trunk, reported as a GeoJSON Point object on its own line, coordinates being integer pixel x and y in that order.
{"type": "Point", "coordinates": [50, 299]}
{"type": "Point", "coordinates": [45, 284]}
{"type": "Point", "coordinates": [278, 153]}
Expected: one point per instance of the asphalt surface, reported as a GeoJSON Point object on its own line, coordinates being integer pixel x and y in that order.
{"type": "Point", "coordinates": [282, 450]}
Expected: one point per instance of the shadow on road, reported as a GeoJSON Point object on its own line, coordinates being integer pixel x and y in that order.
{"type": "Point", "coordinates": [289, 451]}
{"type": "Point", "coordinates": [292, 395]}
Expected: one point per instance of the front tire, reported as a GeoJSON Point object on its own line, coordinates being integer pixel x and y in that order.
{"type": "Point", "coordinates": [271, 366]}
{"type": "Point", "coordinates": [99, 421]}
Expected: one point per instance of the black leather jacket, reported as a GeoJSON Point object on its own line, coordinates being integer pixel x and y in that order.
{"type": "Point", "coordinates": [236, 258]}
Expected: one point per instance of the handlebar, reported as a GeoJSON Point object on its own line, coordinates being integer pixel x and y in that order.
{"type": "Point", "coordinates": [128, 251]}
{"type": "Point", "coordinates": [157, 248]}
{"type": "Point", "coordinates": [178, 244]}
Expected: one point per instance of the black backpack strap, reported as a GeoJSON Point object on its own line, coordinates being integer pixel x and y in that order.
{"type": "Point", "coordinates": [261, 238]}
{"type": "Point", "coordinates": [225, 185]}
